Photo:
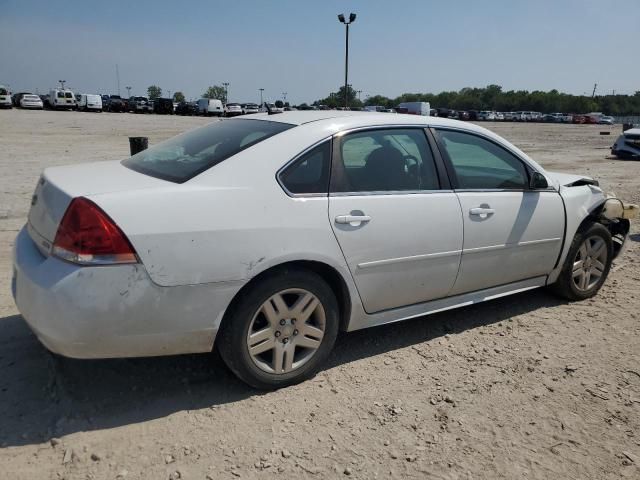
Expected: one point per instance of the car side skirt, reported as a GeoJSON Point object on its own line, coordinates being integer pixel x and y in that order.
{"type": "Point", "coordinates": [441, 305]}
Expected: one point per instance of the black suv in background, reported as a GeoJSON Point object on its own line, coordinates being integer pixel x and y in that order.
{"type": "Point", "coordinates": [186, 108]}
{"type": "Point", "coordinates": [113, 103]}
{"type": "Point", "coordinates": [163, 106]}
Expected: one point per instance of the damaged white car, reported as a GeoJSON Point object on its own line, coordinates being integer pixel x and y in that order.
{"type": "Point", "coordinates": [263, 237]}
{"type": "Point", "coordinates": [627, 146]}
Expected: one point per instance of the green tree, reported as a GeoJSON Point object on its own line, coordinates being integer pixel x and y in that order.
{"type": "Point", "coordinates": [154, 92]}
{"type": "Point", "coordinates": [215, 92]}
{"type": "Point", "coordinates": [178, 97]}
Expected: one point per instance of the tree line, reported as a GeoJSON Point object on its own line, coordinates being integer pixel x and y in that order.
{"type": "Point", "coordinates": [494, 98]}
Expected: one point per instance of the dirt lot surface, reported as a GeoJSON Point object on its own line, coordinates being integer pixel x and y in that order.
{"type": "Point", "coordinates": [527, 386]}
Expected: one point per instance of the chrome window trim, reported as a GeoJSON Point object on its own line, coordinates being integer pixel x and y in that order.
{"type": "Point", "coordinates": [295, 159]}
{"type": "Point", "coordinates": [387, 192]}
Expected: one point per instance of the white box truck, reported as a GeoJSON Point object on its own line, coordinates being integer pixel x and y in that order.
{"type": "Point", "coordinates": [416, 108]}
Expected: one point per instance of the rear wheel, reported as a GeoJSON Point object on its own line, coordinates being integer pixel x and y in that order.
{"type": "Point", "coordinates": [281, 330]}
{"type": "Point", "coordinates": [587, 264]}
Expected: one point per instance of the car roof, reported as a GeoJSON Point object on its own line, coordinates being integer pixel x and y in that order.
{"type": "Point", "coordinates": [347, 119]}
{"type": "Point", "coordinates": [632, 131]}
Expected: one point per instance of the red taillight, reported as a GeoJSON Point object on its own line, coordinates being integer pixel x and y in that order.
{"type": "Point", "coordinates": [87, 235]}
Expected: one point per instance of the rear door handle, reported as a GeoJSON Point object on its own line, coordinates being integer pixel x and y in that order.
{"type": "Point", "coordinates": [353, 218]}
{"type": "Point", "coordinates": [482, 211]}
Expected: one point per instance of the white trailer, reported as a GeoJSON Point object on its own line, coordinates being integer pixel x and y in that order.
{"type": "Point", "coordinates": [417, 108]}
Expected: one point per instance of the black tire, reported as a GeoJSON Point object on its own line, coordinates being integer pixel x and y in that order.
{"type": "Point", "coordinates": [231, 341]}
{"type": "Point", "coordinates": [565, 286]}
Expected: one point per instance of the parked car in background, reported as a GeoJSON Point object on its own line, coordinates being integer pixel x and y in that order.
{"type": "Point", "coordinates": [30, 101]}
{"type": "Point", "coordinates": [186, 108]}
{"type": "Point", "coordinates": [89, 102]}
{"type": "Point", "coordinates": [174, 227]}
{"type": "Point", "coordinates": [627, 146]}
{"type": "Point", "coordinates": [499, 116]}
{"type": "Point", "coordinates": [5, 97]}
{"type": "Point", "coordinates": [232, 110]}
{"type": "Point", "coordinates": [139, 104]}
{"type": "Point", "coordinates": [60, 99]}
{"type": "Point", "coordinates": [486, 115]}
{"type": "Point", "coordinates": [210, 106]}
{"type": "Point", "coordinates": [15, 98]}
{"type": "Point", "coordinates": [606, 120]}
{"type": "Point", "coordinates": [463, 115]}
{"type": "Point", "coordinates": [163, 106]}
{"type": "Point", "coordinates": [248, 108]}
{"type": "Point", "coordinates": [113, 103]}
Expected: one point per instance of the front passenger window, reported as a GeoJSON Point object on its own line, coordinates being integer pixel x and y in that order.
{"type": "Point", "coordinates": [481, 164]}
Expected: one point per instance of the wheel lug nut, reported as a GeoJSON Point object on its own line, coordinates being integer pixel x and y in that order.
{"type": "Point", "coordinates": [285, 340]}
{"type": "Point", "coordinates": [277, 333]}
{"type": "Point", "coordinates": [295, 332]}
{"type": "Point", "coordinates": [293, 320]}
{"type": "Point", "coordinates": [282, 322]}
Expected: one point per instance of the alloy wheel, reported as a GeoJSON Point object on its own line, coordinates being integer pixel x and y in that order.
{"type": "Point", "coordinates": [589, 263]}
{"type": "Point", "coordinates": [286, 331]}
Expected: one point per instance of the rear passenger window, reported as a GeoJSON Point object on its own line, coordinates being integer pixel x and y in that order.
{"type": "Point", "coordinates": [385, 161]}
{"type": "Point", "coordinates": [310, 173]}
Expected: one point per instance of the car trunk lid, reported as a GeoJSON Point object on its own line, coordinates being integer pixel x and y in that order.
{"type": "Point", "coordinates": [59, 185]}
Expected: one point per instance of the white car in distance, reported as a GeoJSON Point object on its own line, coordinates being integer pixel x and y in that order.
{"type": "Point", "coordinates": [30, 101]}
{"type": "Point", "coordinates": [263, 236]}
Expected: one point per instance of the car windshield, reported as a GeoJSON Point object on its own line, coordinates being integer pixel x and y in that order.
{"type": "Point", "coordinates": [3, 91]}
{"type": "Point", "coordinates": [185, 156]}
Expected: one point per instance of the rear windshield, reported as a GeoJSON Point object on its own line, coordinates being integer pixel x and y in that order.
{"type": "Point", "coordinates": [3, 91]}
{"type": "Point", "coordinates": [185, 156]}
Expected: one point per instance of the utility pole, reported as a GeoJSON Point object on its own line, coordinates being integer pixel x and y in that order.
{"type": "Point", "coordinates": [261, 90]}
{"type": "Point", "coordinates": [62, 82]}
{"type": "Point", "coordinates": [226, 92]}
{"type": "Point", "coordinates": [118, 78]}
{"type": "Point", "coordinates": [284, 97]}
{"type": "Point", "coordinates": [593, 94]}
{"type": "Point", "coordinates": [128, 92]}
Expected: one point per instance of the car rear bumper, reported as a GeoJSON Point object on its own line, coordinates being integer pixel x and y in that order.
{"type": "Point", "coordinates": [112, 311]}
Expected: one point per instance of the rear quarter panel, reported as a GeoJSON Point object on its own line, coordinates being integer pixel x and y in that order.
{"type": "Point", "coordinates": [228, 224]}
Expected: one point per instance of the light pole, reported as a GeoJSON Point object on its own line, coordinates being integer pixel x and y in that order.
{"type": "Point", "coordinates": [62, 82]}
{"type": "Point", "coordinates": [261, 90]}
{"type": "Point", "coordinates": [359, 92]}
{"type": "Point", "coordinates": [352, 18]}
{"type": "Point", "coordinates": [128, 92]}
{"type": "Point", "coordinates": [284, 97]}
{"type": "Point", "coordinates": [226, 92]}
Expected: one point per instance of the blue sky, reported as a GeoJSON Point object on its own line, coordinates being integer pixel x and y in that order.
{"type": "Point", "coordinates": [298, 46]}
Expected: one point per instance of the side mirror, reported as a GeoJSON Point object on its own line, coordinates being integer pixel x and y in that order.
{"type": "Point", "coordinates": [538, 181]}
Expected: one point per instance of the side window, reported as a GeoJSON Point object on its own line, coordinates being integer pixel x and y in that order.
{"type": "Point", "coordinates": [310, 173]}
{"type": "Point", "coordinates": [60, 95]}
{"type": "Point", "coordinates": [385, 161]}
{"type": "Point", "coordinates": [481, 164]}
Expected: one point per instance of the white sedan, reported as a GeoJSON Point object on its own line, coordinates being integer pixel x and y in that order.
{"type": "Point", "coordinates": [31, 102]}
{"type": "Point", "coordinates": [263, 237]}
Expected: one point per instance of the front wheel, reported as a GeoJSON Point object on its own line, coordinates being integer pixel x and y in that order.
{"type": "Point", "coordinates": [587, 264]}
{"type": "Point", "coordinates": [281, 330]}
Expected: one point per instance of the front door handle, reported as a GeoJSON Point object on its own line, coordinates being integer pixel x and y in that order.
{"type": "Point", "coordinates": [482, 211]}
{"type": "Point", "coordinates": [357, 219]}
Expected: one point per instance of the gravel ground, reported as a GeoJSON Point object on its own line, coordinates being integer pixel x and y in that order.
{"type": "Point", "coordinates": [527, 386]}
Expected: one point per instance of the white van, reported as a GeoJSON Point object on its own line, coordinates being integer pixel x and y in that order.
{"type": "Point", "coordinates": [417, 108]}
{"type": "Point", "coordinates": [89, 102]}
{"type": "Point", "coordinates": [210, 106]}
{"type": "Point", "coordinates": [62, 99]}
{"type": "Point", "coordinates": [5, 97]}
